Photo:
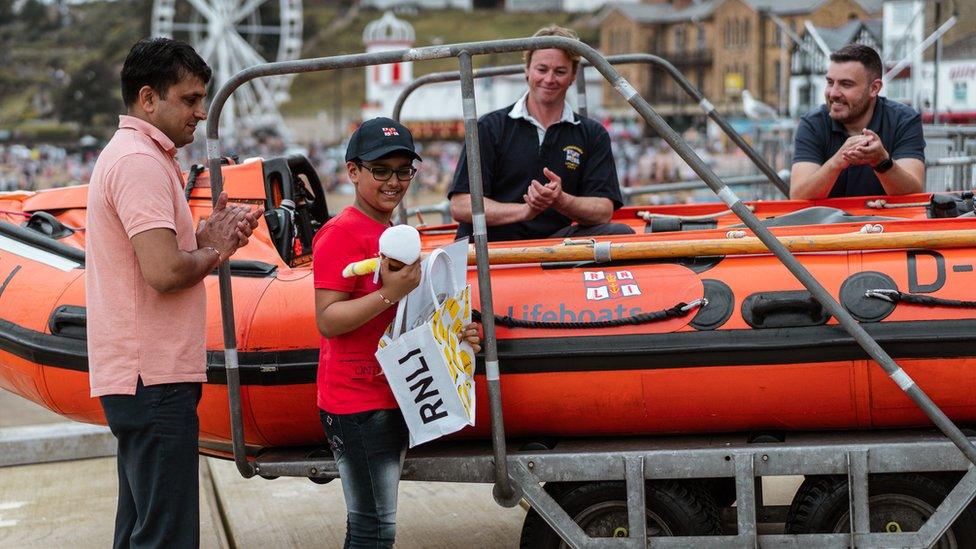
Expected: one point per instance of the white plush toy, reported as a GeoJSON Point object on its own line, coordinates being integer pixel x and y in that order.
{"type": "Point", "coordinates": [399, 243]}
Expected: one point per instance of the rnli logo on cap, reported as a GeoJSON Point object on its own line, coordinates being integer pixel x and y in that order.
{"type": "Point", "coordinates": [573, 156]}
{"type": "Point", "coordinates": [602, 285]}
{"type": "Point", "coordinates": [390, 131]}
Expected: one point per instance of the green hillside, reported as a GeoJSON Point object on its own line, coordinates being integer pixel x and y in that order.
{"type": "Point", "coordinates": [63, 67]}
{"type": "Point", "coordinates": [59, 67]}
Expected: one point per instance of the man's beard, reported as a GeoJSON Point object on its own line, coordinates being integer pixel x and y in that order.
{"type": "Point", "coordinates": [856, 110]}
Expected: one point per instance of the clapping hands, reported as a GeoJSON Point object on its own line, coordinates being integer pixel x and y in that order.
{"type": "Point", "coordinates": [541, 197]}
{"type": "Point", "coordinates": [863, 150]}
{"type": "Point", "coordinates": [228, 227]}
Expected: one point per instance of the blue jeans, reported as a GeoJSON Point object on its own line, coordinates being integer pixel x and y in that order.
{"type": "Point", "coordinates": [368, 449]}
{"type": "Point", "coordinates": [159, 497]}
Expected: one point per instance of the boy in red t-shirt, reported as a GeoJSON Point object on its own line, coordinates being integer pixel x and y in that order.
{"type": "Point", "coordinates": [362, 422]}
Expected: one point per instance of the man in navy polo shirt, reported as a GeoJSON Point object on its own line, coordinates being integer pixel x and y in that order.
{"type": "Point", "coordinates": [858, 143]}
{"type": "Point", "coordinates": [537, 139]}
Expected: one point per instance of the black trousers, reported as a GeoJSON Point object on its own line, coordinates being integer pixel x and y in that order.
{"type": "Point", "coordinates": [158, 465]}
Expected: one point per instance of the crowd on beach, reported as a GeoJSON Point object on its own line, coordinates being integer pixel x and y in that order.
{"type": "Point", "coordinates": [43, 167]}
{"type": "Point", "coordinates": [640, 162]}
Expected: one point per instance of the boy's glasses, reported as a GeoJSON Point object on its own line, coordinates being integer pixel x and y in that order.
{"type": "Point", "coordinates": [382, 173]}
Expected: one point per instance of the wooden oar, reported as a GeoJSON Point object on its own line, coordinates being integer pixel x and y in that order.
{"type": "Point", "coordinates": [738, 246]}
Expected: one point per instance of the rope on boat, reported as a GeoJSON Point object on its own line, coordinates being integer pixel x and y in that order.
{"type": "Point", "coordinates": [191, 178]}
{"type": "Point", "coordinates": [647, 216]}
{"type": "Point", "coordinates": [679, 310]}
{"type": "Point", "coordinates": [895, 296]}
{"type": "Point", "coordinates": [882, 204]}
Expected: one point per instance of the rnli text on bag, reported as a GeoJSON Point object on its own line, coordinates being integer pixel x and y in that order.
{"type": "Point", "coordinates": [428, 412]}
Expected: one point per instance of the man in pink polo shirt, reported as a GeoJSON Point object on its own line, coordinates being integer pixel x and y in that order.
{"type": "Point", "coordinates": [146, 301]}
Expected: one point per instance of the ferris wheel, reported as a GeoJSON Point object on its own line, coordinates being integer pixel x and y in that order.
{"type": "Point", "coordinates": [233, 35]}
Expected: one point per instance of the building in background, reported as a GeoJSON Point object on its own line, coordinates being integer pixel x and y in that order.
{"type": "Point", "coordinates": [385, 82]}
{"type": "Point", "coordinates": [937, 11]}
{"type": "Point", "coordinates": [957, 83]}
{"type": "Point", "coordinates": [722, 46]}
{"type": "Point", "coordinates": [808, 69]}
{"type": "Point", "coordinates": [900, 37]}
{"type": "Point", "coordinates": [904, 31]}
{"type": "Point", "coordinates": [434, 111]}
{"type": "Point", "coordinates": [776, 49]}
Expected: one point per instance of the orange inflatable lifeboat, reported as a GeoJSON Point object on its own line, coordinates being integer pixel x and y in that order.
{"type": "Point", "coordinates": [760, 354]}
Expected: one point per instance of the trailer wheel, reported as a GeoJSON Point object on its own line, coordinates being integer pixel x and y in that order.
{"type": "Point", "coordinates": [721, 489]}
{"type": "Point", "coordinates": [600, 508]}
{"type": "Point", "coordinates": [897, 503]}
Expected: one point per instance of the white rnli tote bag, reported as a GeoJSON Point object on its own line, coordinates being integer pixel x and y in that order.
{"type": "Point", "coordinates": [430, 371]}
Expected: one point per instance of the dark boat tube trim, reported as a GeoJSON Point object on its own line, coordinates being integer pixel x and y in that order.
{"type": "Point", "coordinates": [913, 339]}
{"type": "Point", "coordinates": [46, 243]}
{"type": "Point", "coordinates": [238, 267]}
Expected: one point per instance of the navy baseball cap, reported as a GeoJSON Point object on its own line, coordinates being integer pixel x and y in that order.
{"type": "Point", "coordinates": [379, 137]}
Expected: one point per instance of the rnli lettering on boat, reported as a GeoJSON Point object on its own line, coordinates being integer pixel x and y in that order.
{"type": "Point", "coordinates": [602, 285]}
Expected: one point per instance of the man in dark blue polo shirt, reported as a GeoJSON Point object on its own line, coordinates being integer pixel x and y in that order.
{"type": "Point", "coordinates": [540, 139]}
{"type": "Point", "coordinates": [858, 143]}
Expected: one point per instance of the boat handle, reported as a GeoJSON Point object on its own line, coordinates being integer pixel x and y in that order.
{"type": "Point", "coordinates": [69, 321]}
{"type": "Point", "coordinates": [767, 306]}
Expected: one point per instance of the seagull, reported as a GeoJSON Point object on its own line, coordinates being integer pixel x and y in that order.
{"type": "Point", "coordinates": [755, 109]}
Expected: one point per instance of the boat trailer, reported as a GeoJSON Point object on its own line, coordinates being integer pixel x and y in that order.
{"type": "Point", "coordinates": [634, 464]}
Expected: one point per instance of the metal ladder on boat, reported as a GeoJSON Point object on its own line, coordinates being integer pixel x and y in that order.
{"type": "Point", "coordinates": [519, 475]}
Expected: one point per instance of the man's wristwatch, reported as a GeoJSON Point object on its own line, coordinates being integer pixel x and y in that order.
{"type": "Point", "coordinates": [884, 165]}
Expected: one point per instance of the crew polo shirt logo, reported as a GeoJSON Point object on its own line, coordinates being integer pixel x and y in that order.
{"type": "Point", "coordinates": [574, 156]}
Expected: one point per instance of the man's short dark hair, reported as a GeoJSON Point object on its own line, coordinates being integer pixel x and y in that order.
{"type": "Point", "coordinates": [159, 63]}
{"type": "Point", "coordinates": [864, 55]}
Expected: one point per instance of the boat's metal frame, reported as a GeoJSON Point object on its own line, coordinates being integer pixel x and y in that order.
{"type": "Point", "coordinates": [516, 475]}
{"type": "Point", "coordinates": [769, 175]}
